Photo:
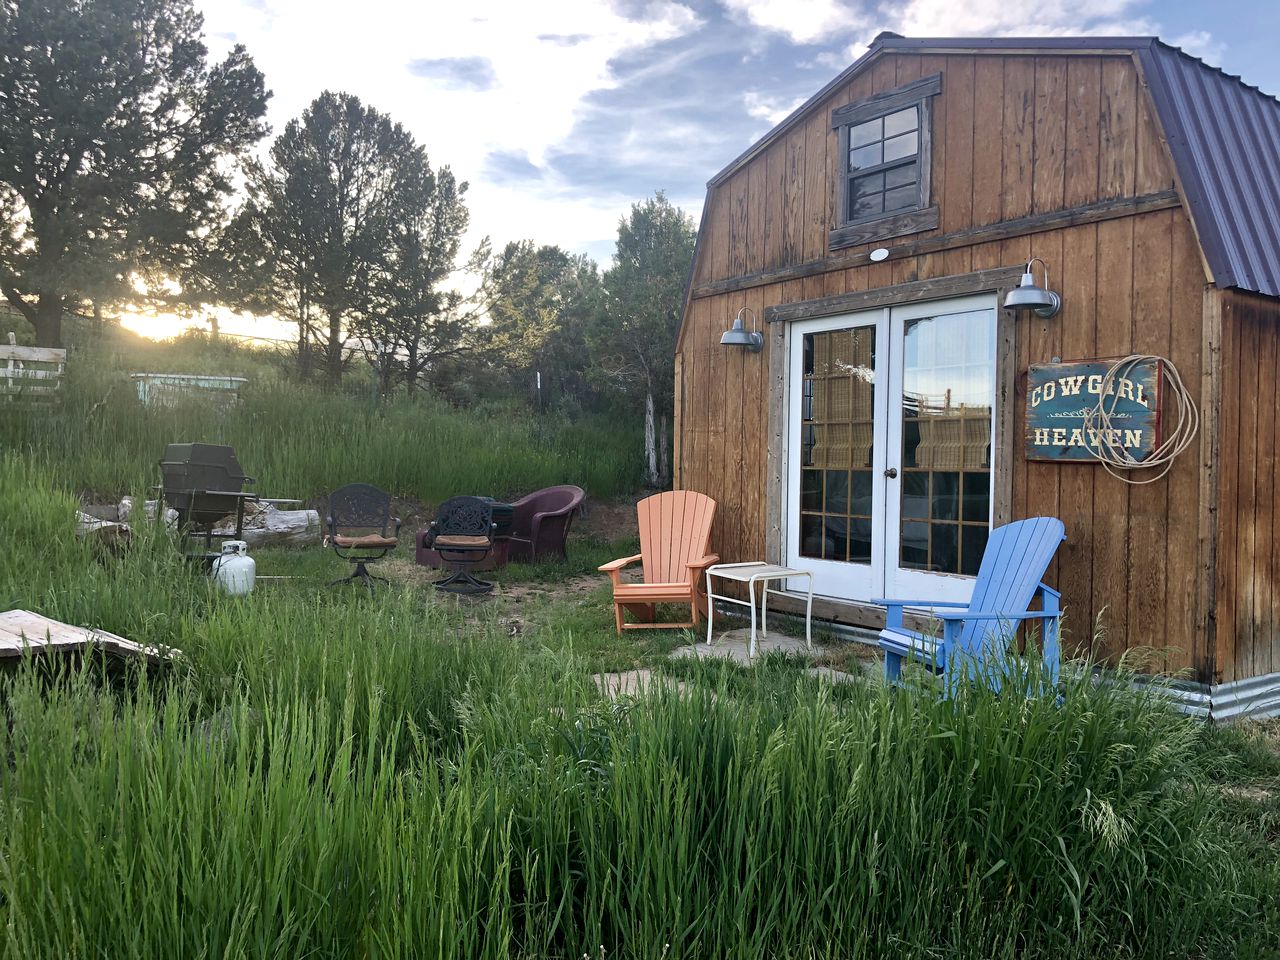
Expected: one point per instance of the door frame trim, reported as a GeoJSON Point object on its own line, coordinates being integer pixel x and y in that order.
{"type": "Point", "coordinates": [779, 342]}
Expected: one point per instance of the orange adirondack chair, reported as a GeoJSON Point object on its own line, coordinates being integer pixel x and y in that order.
{"type": "Point", "coordinates": [675, 535]}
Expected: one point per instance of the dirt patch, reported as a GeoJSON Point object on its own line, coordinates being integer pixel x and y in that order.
{"type": "Point", "coordinates": [401, 568]}
{"type": "Point", "coordinates": [579, 587]}
{"type": "Point", "coordinates": [604, 519]}
{"type": "Point", "coordinates": [847, 656]}
{"type": "Point", "coordinates": [609, 519]}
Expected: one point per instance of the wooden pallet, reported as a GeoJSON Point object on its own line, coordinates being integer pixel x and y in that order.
{"type": "Point", "coordinates": [30, 373]}
{"type": "Point", "coordinates": [22, 631]}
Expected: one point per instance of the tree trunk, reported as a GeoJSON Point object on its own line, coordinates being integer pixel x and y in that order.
{"type": "Point", "coordinates": [651, 477]}
{"type": "Point", "coordinates": [304, 353]}
{"type": "Point", "coordinates": [333, 350]}
{"type": "Point", "coordinates": [304, 326]}
{"type": "Point", "coordinates": [411, 369]}
{"type": "Point", "coordinates": [664, 452]}
{"type": "Point", "coordinates": [264, 525]}
{"type": "Point", "coordinates": [47, 321]}
{"type": "Point", "coordinates": [385, 373]}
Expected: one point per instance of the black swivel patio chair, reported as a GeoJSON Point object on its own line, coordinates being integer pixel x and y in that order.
{"type": "Point", "coordinates": [361, 529]}
{"type": "Point", "coordinates": [462, 533]}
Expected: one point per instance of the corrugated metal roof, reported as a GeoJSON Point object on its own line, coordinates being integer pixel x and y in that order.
{"type": "Point", "coordinates": [1224, 136]}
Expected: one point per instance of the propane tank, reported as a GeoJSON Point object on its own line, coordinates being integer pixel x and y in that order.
{"type": "Point", "coordinates": [234, 571]}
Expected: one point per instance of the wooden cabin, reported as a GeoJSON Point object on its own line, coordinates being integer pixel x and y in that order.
{"type": "Point", "coordinates": [886, 424]}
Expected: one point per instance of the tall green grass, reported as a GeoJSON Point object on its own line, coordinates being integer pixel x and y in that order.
{"type": "Point", "coordinates": [321, 774]}
{"type": "Point", "coordinates": [299, 441]}
{"type": "Point", "coordinates": [510, 812]}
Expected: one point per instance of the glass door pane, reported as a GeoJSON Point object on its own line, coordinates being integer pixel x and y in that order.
{"type": "Point", "coordinates": [943, 448]}
{"type": "Point", "coordinates": [838, 444]}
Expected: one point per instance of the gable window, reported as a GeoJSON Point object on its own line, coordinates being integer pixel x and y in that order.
{"type": "Point", "coordinates": [884, 165]}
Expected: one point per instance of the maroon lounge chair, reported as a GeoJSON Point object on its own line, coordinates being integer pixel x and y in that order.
{"type": "Point", "coordinates": [540, 523]}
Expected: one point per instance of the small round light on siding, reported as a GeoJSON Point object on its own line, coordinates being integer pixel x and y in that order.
{"type": "Point", "coordinates": [879, 253]}
{"type": "Point", "coordinates": [739, 336]}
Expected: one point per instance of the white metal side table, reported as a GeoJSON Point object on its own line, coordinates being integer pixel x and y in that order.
{"type": "Point", "coordinates": [751, 573]}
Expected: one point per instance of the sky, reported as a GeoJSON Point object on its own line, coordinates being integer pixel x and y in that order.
{"type": "Point", "coordinates": [561, 113]}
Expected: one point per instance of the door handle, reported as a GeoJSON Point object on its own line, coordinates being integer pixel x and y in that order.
{"type": "Point", "coordinates": [892, 473]}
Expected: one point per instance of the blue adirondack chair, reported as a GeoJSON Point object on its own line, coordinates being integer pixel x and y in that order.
{"type": "Point", "coordinates": [976, 636]}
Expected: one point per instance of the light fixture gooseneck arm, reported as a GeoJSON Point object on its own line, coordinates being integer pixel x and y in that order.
{"type": "Point", "coordinates": [1044, 267]}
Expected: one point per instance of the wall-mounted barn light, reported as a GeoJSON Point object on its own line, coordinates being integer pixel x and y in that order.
{"type": "Point", "coordinates": [1027, 296]}
{"type": "Point", "coordinates": [739, 336]}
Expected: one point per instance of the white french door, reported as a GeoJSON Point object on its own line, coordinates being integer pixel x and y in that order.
{"type": "Point", "coordinates": [890, 449]}
{"type": "Point", "coordinates": [836, 456]}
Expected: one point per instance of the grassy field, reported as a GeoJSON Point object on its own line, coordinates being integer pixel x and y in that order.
{"type": "Point", "coordinates": [324, 774]}
{"type": "Point", "coordinates": [301, 442]}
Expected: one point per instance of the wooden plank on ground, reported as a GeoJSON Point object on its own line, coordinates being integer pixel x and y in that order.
{"type": "Point", "coordinates": [22, 631]}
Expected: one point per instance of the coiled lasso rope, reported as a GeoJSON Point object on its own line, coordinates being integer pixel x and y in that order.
{"type": "Point", "coordinates": [1117, 460]}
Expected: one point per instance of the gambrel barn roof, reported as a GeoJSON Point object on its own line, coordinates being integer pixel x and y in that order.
{"type": "Point", "coordinates": [1223, 136]}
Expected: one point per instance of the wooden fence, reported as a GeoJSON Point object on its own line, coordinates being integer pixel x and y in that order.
{"type": "Point", "coordinates": [30, 373]}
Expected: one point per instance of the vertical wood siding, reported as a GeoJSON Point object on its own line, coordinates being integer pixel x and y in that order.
{"type": "Point", "coordinates": [1013, 136]}
{"type": "Point", "coordinates": [1248, 602]}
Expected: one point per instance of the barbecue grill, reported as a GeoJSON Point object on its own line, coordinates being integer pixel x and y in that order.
{"type": "Point", "coordinates": [204, 482]}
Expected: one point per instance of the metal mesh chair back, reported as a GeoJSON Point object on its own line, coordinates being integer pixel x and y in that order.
{"type": "Point", "coordinates": [465, 517]}
{"type": "Point", "coordinates": [359, 506]}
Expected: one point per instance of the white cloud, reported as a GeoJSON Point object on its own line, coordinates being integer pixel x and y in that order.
{"type": "Point", "coordinates": [521, 80]}
{"type": "Point", "coordinates": [803, 21]}
{"type": "Point", "coordinates": [770, 109]}
{"type": "Point", "coordinates": [1201, 43]}
{"type": "Point", "coordinates": [947, 18]}
{"type": "Point", "coordinates": [544, 60]}
{"type": "Point", "coordinates": [1000, 18]}
{"type": "Point", "coordinates": [838, 60]}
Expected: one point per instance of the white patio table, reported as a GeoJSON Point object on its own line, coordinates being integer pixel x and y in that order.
{"type": "Point", "coordinates": [751, 573]}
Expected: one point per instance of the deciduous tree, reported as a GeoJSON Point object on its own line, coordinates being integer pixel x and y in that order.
{"type": "Point", "coordinates": [633, 346]}
{"type": "Point", "coordinates": [540, 302]}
